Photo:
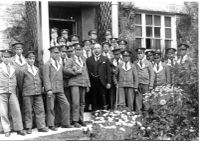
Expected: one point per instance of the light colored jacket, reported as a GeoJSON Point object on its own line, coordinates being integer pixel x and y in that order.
{"type": "Point", "coordinates": [145, 73]}
{"type": "Point", "coordinates": [162, 76]}
{"type": "Point", "coordinates": [52, 78]}
{"type": "Point", "coordinates": [8, 82]}
{"type": "Point", "coordinates": [127, 77]}
{"type": "Point", "coordinates": [78, 79]}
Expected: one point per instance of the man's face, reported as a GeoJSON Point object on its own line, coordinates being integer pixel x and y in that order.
{"type": "Point", "coordinates": [87, 45]}
{"type": "Point", "coordinates": [106, 48]}
{"type": "Point", "coordinates": [30, 60]}
{"type": "Point", "coordinates": [149, 57]}
{"type": "Point", "coordinates": [93, 36]}
{"type": "Point", "coordinates": [123, 46]}
{"type": "Point", "coordinates": [69, 54]}
{"type": "Point", "coordinates": [126, 58]}
{"type": "Point", "coordinates": [140, 55]}
{"type": "Point", "coordinates": [108, 37]}
{"type": "Point", "coordinates": [74, 40]}
{"type": "Point", "coordinates": [6, 58]}
{"type": "Point", "coordinates": [97, 49]}
{"type": "Point", "coordinates": [65, 35]}
{"type": "Point", "coordinates": [63, 54]}
{"type": "Point", "coordinates": [117, 56]}
{"type": "Point", "coordinates": [157, 58]}
{"type": "Point", "coordinates": [18, 49]}
{"type": "Point", "coordinates": [170, 54]}
{"type": "Point", "coordinates": [54, 35]}
{"type": "Point", "coordinates": [79, 52]}
{"type": "Point", "coordinates": [55, 54]}
{"type": "Point", "coordinates": [182, 51]}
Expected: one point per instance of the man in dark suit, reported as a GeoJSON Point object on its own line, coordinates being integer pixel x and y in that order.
{"type": "Point", "coordinates": [100, 77]}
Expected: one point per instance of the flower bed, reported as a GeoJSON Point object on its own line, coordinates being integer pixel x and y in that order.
{"type": "Point", "coordinates": [169, 115]}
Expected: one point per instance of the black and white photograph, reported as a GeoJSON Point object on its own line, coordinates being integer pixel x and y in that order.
{"type": "Point", "coordinates": [99, 70]}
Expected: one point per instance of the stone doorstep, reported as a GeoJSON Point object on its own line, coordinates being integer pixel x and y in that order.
{"type": "Point", "coordinates": [35, 133]}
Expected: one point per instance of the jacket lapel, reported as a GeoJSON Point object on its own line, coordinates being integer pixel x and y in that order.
{"type": "Point", "coordinates": [160, 67]}
{"type": "Point", "coordinates": [12, 71]}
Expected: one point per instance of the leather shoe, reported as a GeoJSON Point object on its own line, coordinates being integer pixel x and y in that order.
{"type": "Point", "coordinates": [22, 132]}
{"type": "Point", "coordinates": [29, 131]}
{"type": "Point", "coordinates": [77, 125]}
{"type": "Point", "coordinates": [82, 123]}
{"type": "Point", "coordinates": [53, 128]}
{"type": "Point", "coordinates": [43, 129]}
{"type": "Point", "coordinates": [66, 126]}
{"type": "Point", "coordinates": [7, 134]}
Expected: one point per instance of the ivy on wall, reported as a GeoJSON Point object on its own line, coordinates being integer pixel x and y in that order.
{"type": "Point", "coordinates": [187, 29]}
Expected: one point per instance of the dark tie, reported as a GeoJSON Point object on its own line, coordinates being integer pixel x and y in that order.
{"type": "Point", "coordinates": [172, 62]}
{"type": "Point", "coordinates": [20, 59]}
{"type": "Point", "coordinates": [141, 63]}
{"type": "Point", "coordinates": [8, 69]}
{"type": "Point", "coordinates": [56, 63]}
{"type": "Point", "coordinates": [79, 60]}
{"type": "Point", "coordinates": [117, 62]}
{"type": "Point", "coordinates": [126, 65]}
{"type": "Point", "coordinates": [181, 60]}
{"type": "Point", "coordinates": [157, 66]}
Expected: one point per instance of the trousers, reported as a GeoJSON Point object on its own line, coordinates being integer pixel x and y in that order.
{"type": "Point", "coordinates": [10, 104]}
{"type": "Point", "coordinates": [34, 102]}
{"type": "Point", "coordinates": [64, 106]}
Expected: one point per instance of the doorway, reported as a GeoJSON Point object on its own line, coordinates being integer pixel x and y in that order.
{"type": "Point", "coordinates": [63, 24]}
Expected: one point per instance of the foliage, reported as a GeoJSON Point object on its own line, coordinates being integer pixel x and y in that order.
{"type": "Point", "coordinates": [170, 115]}
{"type": "Point", "coordinates": [187, 28]}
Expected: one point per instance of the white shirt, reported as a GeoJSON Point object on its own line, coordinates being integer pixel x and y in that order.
{"type": "Point", "coordinates": [185, 57]}
{"type": "Point", "coordinates": [79, 61]}
{"type": "Point", "coordinates": [32, 69]}
{"type": "Point", "coordinates": [54, 63]}
{"type": "Point", "coordinates": [115, 62]}
{"type": "Point", "coordinates": [143, 64]}
{"type": "Point", "coordinates": [4, 68]}
{"type": "Point", "coordinates": [160, 67]}
{"type": "Point", "coordinates": [128, 66]}
{"type": "Point", "coordinates": [17, 60]}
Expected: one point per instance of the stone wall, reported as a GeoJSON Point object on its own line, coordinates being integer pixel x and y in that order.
{"type": "Point", "coordinates": [11, 15]}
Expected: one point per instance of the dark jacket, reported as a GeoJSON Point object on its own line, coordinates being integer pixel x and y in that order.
{"type": "Point", "coordinates": [31, 85]}
{"type": "Point", "coordinates": [103, 69]}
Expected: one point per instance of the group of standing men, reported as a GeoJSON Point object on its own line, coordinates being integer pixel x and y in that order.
{"type": "Point", "coordinates": [78, 76]}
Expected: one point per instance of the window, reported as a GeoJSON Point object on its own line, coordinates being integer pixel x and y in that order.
{"type": "Point", "coordinates": [153, 31]}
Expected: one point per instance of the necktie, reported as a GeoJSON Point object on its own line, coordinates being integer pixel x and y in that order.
{"type": "Point", "coordinates": [20, 59]}
{"type": "Point", "coordinates": [97, 58]}
{"type": "Point", "coordinates": [126, 65]}
{"type": "Point", "coordinates": [79, 60]}
{"type": "Point", "coordinates": [117, 62]}
{"type": "Point", "coordinates": [181, 60]}
{"type": "Point", "coordinates": [172, 62]}
{"type": "Point", "coordinates": [157, 66]}
{"type": "Point", "coordinates": [87, 52]}
{"type": "Point", "coordinates": [32, 69]}
{"type": "Point", "coordinates": [56, 63]}
{"type": "Point", "coordinates": [141, 63]}
{"type": "Point", "coordinates": [8, 69]}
